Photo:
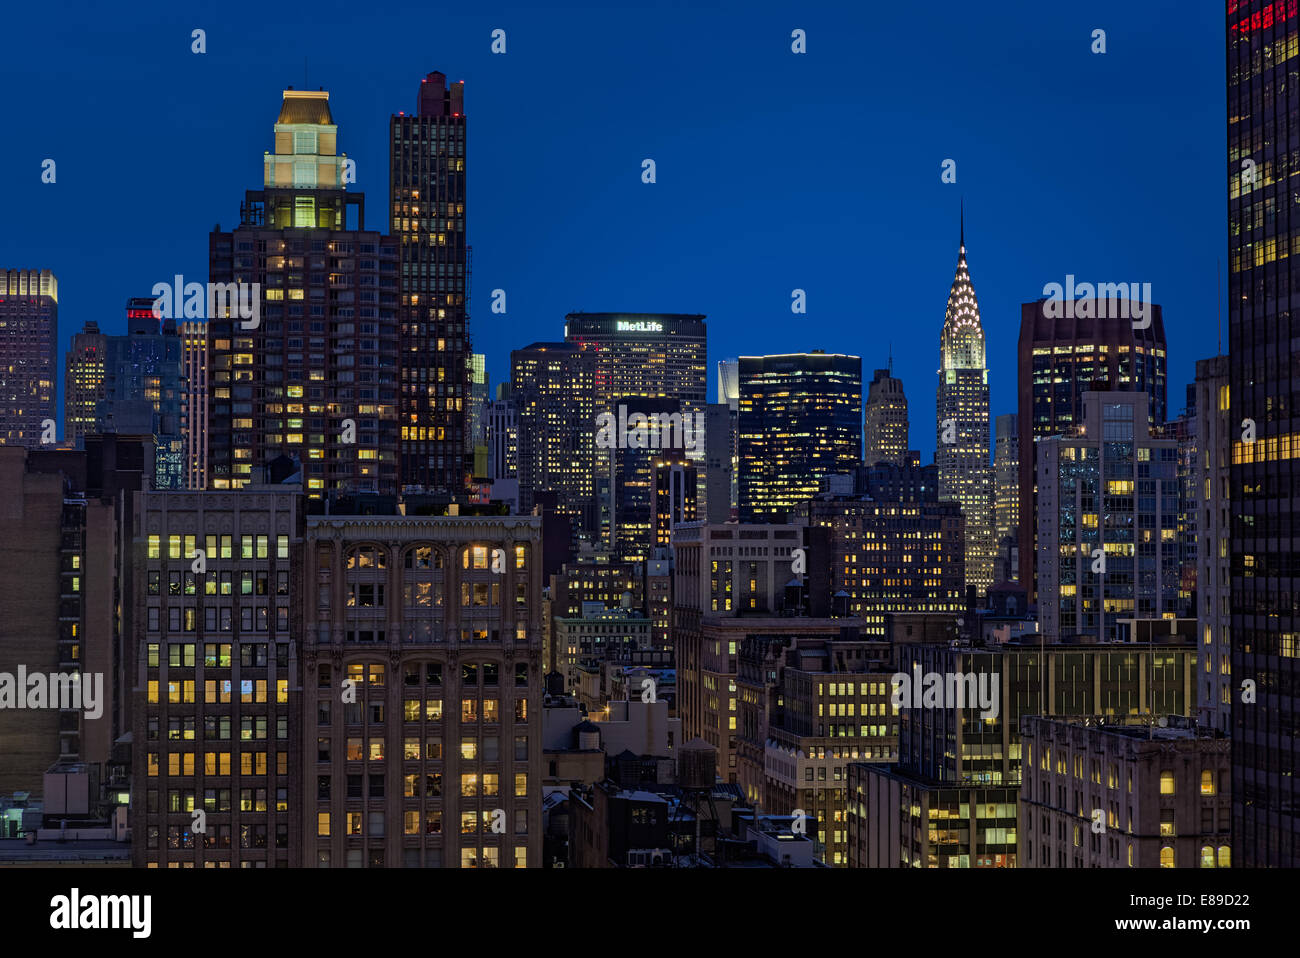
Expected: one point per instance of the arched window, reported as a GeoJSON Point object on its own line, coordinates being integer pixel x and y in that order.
{"type": "Point", "coordinates": [1207, 856]}
{"type": "Point", "coordinates": [367, 557]}
{"type": "Point", "coordinates": [422, 586]}
{"type": "Point", "coordinates": [1207, 782]}
{"type": "Point", "coordinates": [1225, 856]}
{"type": "Point", "coordinates": [1166, 783]}
{"type": "Point", "coordinates": [1166, 857]}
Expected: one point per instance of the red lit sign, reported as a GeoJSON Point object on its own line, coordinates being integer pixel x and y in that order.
{"type": "Point", "coordinates": [1263, 19]}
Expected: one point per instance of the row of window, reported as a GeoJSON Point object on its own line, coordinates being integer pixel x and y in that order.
{"type": "Point", "coordinates": [217, 763]}
{"type": "Point", "coordinates": [217, 691]}
{"type": "Point", "coordinates": [187, 583]}
{"type": "Point", "coordinates": [430, 674]}
{"type": "Point", "coordinates": [426, 557]}
{"type": "Point", "coordinates": [218, 547]}
{"type": "Point", "coordinates": [371, 824]}
{"type": "Point", "coordinates": [218, 619]}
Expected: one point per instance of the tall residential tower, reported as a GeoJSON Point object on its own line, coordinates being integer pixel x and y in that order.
{"type": "Point", "coordinates": [427, 217]}
{"type": "Point", "coordinates": [313, 375]}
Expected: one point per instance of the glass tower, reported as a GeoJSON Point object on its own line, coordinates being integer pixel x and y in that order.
{"type": "Point", "coordinates": [1263, 42]}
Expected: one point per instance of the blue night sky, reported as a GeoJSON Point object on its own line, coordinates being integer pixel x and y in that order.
{"type": "Point", "coordinates": [775, 171]}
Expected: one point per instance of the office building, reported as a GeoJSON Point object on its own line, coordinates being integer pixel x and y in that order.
{"type": "Point", "coordinates": [799, 420]}
{"type": "Point", "coordinates": [895, 548]}
{"type": "Point", "coordinates": [144, 389]}
{"type": "Point", "coordinates": [1006, 499]}
{"type": "Point", "coordinates": [1061, 355]}
{"type": "Point", "coordinates": [478, 400]}
{"type": "Point", "coordinates": [648, 355]}
{"type": "Point", "coordinates": [502, 434]}
{"type": "Point", "coordinates": [435, 624]}
{"type": "Point", "coordinates": [589, 580]}
{"type": "Point", "coordinates": [673, 490]}
{"type": "Point", "coordinates": [951, 801]}
{"type": "Point", "coordinates": [1183, 431]}
{"type": "Point", "coordinates": [68, 513]}
{"type": "Point", "coordinates": [218, 681]}
{"type": "Point", "coordinates": [1108, 501]}
{"type": "Point", "coordinates": [1215, 432]}
{"type": "Point", "coordinates": [598, 636]}
{"type": "Point", "coordinates": [730, 581]}
{"type": "Point", "coordinates": [808, 707]}
{"type": "Point", "coordinates": [638, 438]}
{"type": "Point", "coordinates": [884, 420]}
{"type": "Point", "coordinates": [83, 382]}
{"type": "Point", "coordinates": [962, 423]}
{"type": "Point", "coordinates": [29, 345]}
{"type": "Point", "coordinates": [553, 389]}
{"type": "Point", "coordinates": [722, 450]}
{"type": "Point", "coordinates": [1262, 349]}
{"type": "Point", "coordinates": [1123, 792]}
{"type": "Point", "coordinates": [194, 376]}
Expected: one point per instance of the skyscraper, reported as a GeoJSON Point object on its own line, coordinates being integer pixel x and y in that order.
{"type": "Point", "coordinates": [313, 376]}
{"type": "Point", "coordinates": [1059, 358]}
{"type": "Point", "coordinates": [553, 388]}
{"type": "Point", "coordinates": [194, 360]}
{"type": "Point", "coordinates": [1214, 435]}
{"type": "Point", "coordinates": [674, 497]}
{"type": "Point", "coordinates": [427, 217]}
{"type": "Point", "coordinates": [143, 391]}
{"type": "Point", "coordinates": [884, 421]}
{"type": "Point", "coordinates": [1107, 522]}
{"type": "Point", "coordinates": [962, 422]}
{"type": "Point", "coordinates": [83, 381]}
{"type": "Point", "coordinates": [1264, 348]}
{"type": "Point", "coordinates": [721, 446]}
{"type": "Point", "coordinates": [799, 420]}
{"type": "Point", "coordinates": [1183, 429]}
{"type": "Point", "coordinates": [218, 685]}
{"type": "Point", "coordinates": [29, 355]}
{"type": "Point", "coordinates": [476, 432]}
{"type": "Point", "coordinates": [895, 548]}
{"type": "Point", "coordinates": [632, 471]}
{"type": "Point", "coordinates": [651, 355]}
{"type": "Point", "coordinates": [1006, 498]}
{"type": "Point", "coordinates": [502, 434]}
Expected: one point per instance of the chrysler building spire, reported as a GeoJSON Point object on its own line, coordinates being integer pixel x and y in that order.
{"type": "Point", "coordinates": [962, 427]}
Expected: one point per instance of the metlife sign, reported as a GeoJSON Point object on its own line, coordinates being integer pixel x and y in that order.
{"type": "Point", "coordinates": [639, 326]}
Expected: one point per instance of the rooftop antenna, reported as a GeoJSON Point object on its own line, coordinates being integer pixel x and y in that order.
{"type": "Point", "coordinates": [963, 222]}
{"type": "Point", "coordinates": [891, 359]}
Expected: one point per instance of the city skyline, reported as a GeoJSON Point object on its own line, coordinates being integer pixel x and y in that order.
{"type": "Point", "coordinates": [714, 181]}
{"type": "Point", "coordinates": [583, 505]}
